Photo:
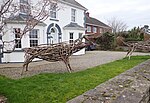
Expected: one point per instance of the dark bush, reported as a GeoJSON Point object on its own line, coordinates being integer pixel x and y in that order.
{"type": "Point", "coordinates": [106, 41]}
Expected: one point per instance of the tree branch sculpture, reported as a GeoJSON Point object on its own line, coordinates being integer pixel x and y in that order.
{"type": "Point", "coordinates": [142, 45]}
{"type": "Point", "coordinates": [54, 52]}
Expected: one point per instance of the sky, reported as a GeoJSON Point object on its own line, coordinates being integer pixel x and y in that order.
{"type": "Point", "coordinates": [132, 12]}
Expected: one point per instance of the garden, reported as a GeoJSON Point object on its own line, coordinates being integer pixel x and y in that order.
{"type": "Point", "coordinates": [61, 87]}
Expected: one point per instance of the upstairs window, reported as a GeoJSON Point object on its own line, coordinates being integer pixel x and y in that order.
{"type": "Point", "coordinates": [34, 37]}
{"type": "Point", "coordinates": [100, 30]}
{"type": "Point", "coordinates": [53, 10]}
{"type": "Point", "coordinates": [80, 35]}
{"type": "Point", "coordinates": [24, 1]}
{"type": "Point", "coordinates": [73, 15]}
{"type": "Point", "coordinates": [17, 32]}
{"type": "Point", "coordinates": [89, 29]}
{"type": "Point", "coordinates": [94, 29]}
{"type": "Point", "coordinates": [24, 6]}
{"type": "Point", "coordinates": [70, 38]}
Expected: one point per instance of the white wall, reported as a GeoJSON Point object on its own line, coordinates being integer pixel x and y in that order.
{"type": "Point", "coordinates": [19, 56]}
{"type": "Point", "coordinates": [13, 57]}
{"type": "Point", "coordinates": [63, 19]}
{"type": "Point", "coordinates": [76, 36]}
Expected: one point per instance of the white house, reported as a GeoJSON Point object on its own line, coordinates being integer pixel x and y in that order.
{"type": "Point", "coordinates": [66, 24]}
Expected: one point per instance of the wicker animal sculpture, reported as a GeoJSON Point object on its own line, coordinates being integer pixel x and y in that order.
{"type": "Point", "coordinates": [54, 52]}
{"type": "Point", "coordinates": [142, 45]}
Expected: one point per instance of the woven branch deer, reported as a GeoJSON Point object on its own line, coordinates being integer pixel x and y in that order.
{"type": "Point", "coordinates": [142, 45]}
{"type": "Point", "coordinates": [54, 52]}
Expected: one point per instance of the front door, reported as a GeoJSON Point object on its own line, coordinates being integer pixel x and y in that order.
{"type": "Point", "coordinates": [54, 36]}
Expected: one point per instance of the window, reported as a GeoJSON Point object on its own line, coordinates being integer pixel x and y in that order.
{"type": "Point", "coordinates": [100, 30]}
{"type": "Point", "coordinates": [104, 30]}
{"type": "Point", "coordinates": [17, 32]}
{"type": "Point", "coordinates": [33, 37]}
{"type": "Point", "coordinates": [71, 38]}
{"type": "Point", "coordinates": [24, 6]}
{"type": "Point", "coordinates": [53, 30]}
{"type": "Point", "coordinates": [80, 35]}
{"type": "Point", "coordinates": [24, 1]}
{"type": "Point", "coordinates": [53, 10]}
{"type": "Point", "coordinates": [94, 29]}
{"type": "Point", "coordinates": [89, 29]}
{"type": "Point", "coordinates": [73, 15]}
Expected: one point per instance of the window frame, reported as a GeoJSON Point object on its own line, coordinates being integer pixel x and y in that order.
{"type": "Point", "coordinates": [94, 29]}
{"type": "Point", "coordinates": [101, 30]}
{"type": "Point", "coordinates": [73, 15]}
{"type": "Point", "coordinates": [71, 36]}
{"type": "Point", "coordinates": [80, 35]}
{"type": "Point", "coordinates": [34, 37]}
{"type": "Point", "coordinates": [24, 6]}
{"type": "Point", "coordinates": [89, 29]}
{"type": "Point", "coordinates": [53, 11]}
{"type": "Point", "coordinates": [17, 31]}
{"type": "Point", "coordinates": [24, 1]}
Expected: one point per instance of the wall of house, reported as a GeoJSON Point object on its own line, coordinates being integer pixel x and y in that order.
{"type": "Point", "coordinates": [64, 18]}
{"type": "Point", "coordinates": [103, 29]}
{"type": "Point", "coordinates": [76, 36]}
{"type": "Point", "coordinates": [18, 55]}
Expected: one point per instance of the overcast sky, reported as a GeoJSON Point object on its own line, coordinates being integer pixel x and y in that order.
{"type": "Point", "coordinates": [132, 12]}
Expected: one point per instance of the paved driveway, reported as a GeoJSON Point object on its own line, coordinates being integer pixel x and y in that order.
{"type": "Point", "coordinates": [78, 63]}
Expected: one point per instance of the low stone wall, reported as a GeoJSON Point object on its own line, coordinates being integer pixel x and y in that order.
{"type": "Point", "coordinates": [132, 86]}
{"type": "Point", "coordinates": [3, 99]}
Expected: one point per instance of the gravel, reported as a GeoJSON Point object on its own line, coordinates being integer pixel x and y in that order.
{"type": "Point", "coordinates": [78, 63]}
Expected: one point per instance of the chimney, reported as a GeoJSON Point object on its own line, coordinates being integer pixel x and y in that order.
{"type": "Point", "coordinates": [87, 14]}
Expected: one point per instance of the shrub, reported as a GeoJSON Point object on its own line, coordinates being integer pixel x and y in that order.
{"type": "Point", "coordinates": [106, 41]}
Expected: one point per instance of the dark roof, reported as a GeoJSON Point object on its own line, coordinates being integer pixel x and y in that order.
{"type": "Point", "coordinates": [74, 3]}
{"type": "Point", "coordinates": [73, 26]}
{"type": "Point", "coordinates": [20, 18]}
{"type": "Point", "coordinates": [93, 21]}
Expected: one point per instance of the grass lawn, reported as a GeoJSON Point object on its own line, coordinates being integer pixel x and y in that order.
{"type": "Point", "coordinates": [59, 88]}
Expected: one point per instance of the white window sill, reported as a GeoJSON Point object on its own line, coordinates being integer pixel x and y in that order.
{"type": "Point", "coordinates": [54, 19]}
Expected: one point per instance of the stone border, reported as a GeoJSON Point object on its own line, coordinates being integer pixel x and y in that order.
{"type": "Point", "coordinates": [132, 86]}
{"type": "Point", "coordinates": [3, 99]}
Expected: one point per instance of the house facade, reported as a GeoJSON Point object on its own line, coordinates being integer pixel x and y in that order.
{"type": "Point", "coordinates": [94, 27]}
{"type": "Point", "coordinates": [64, 25]}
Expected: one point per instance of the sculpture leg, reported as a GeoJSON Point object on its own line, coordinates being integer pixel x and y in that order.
{"type": "Point", "coordinates": [26, 63]}
{"type": "Point", "coordinates": [67, 65]}
{"type": "Point", "coordinates": [130, 53]}
{"type": "Point", "coordinates": [23, 69]}
{"type": "Point", "coordinates": [25, 66]}
{"type": "Point", "coordinates": [129, 50]}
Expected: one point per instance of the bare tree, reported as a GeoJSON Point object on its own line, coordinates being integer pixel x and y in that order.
{"type": "Point", "coordinates": [117, 25]}
{"type": "Point", "coordinates": [5, 5]}
{"type": "Point", "coordinates": [35, 13]}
